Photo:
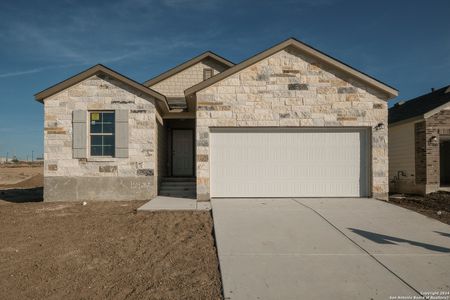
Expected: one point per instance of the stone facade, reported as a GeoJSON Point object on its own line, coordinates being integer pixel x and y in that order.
{"type": "Point", "coordinates": [175, 85]}
{"type": "Point", "coordinates": [289, 89]}
{"type": "Point", "coordinates": [426, 160]}
{"type": "Point", "coordinates": [437, 125]}
{"type": "Point", "coordinates": [68, 178]}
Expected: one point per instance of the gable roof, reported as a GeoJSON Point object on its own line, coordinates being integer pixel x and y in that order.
{"type": "Point", "coordinates": [392, 92]}
{"type": "Point", "coordinates": [187, 64]}
{"type": "Point", "coordinates": [97, 69]}
{"type": "Point", "coordinates": [419, 106]}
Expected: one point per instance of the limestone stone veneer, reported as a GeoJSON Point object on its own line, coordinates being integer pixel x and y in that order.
{"type": "Point", "coordinates": [67, 178]}
{"type": "Point", "coordinates": [289, 89]}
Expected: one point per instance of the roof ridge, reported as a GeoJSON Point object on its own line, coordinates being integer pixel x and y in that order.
{"type": "Point", "coordinates": [91, 71]}
{"type": "Point", "coordinates": [186, 64]}
{"type": "Point", "coordinates": [422, 97]}
{"type": "Point", "coordinates": [304, 47]}
{"type": "Point", "coordinates": [420, 106]}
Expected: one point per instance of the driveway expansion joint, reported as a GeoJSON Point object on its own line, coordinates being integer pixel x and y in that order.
{"type": "Point", "coordinates": [359, 246]}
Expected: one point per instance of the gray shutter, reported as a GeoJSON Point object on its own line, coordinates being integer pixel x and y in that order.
{"type": "Point", "coordinates": [121, 133]}
{"type": "Point", "coordinates": [79, 133]}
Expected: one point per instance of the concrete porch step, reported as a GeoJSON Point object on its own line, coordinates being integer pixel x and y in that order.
{"type": "Point", "coordinates": [177, 183]}
{"type": "Point", "coordinates": [177, 188]}
{"type": "Point", "coordinates": [191, 192]}
{"type": "Point", "coordinates": [180, 194]}
{"type": "Point", "coordinates": [183, 187]}
{"type": "Point", "coordinates": [178, 179]}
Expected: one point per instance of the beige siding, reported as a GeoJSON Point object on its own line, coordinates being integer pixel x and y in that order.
{"type": "Point", "coordinates": [401, 151]}
{"type": "Point", "coordinates": [411, 152]}
{"type": "Point", "coordinates": [175, 85]}
{"type": "Point", "coordinates": [402, 158]}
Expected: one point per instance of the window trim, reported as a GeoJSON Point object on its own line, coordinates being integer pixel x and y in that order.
{"type": "Point", "coordinates": [90, 134]}
{"type": "Point", "coordinates": [205, 70]}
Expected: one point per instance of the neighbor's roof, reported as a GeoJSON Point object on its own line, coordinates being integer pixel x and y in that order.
{"type": "Point", "coordinates": [292, 42]}
{"type": "Point", "coordinates": [187, 64]}
{"type": "Point", "coordinates": [420, 106]}
{"type": "Point", "coordinates": [97, 69]}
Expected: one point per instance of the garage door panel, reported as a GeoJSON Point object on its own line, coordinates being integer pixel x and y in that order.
{"type": "Point", "coordinates": [288, 163]}
{"type": "Point", "coordinates": [239, 188]}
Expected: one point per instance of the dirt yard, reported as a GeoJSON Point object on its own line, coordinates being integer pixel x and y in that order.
{"type": "Point", "coordinates": [21, 183]}
{"type": "Point", "coordinates": [434, 205]}
{"type": "Point", "coordinates": [16, 175]}
{"type": "Point", "coordinates": [102, 250]}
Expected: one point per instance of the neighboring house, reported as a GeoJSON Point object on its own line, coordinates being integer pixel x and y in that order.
{"type": "Point", "coordinates": [419, 144]}
{"type": "Point", "coordinates": [290, 121]}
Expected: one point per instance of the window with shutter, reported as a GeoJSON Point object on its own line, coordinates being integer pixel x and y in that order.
{"type": "Point", "coordinates": [102, 133]}
{"type": "Point", "coordinates": [121, 119]}
{"type": "Point", "coordinates": [79, 131]}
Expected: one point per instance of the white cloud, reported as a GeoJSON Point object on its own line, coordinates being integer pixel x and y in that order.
{"type": "Point", "coordinates": [23, 72]}
{"type": "Point", "coordinates": [33, 70]}
{"type": "Point", "coordinates": [45, 68]}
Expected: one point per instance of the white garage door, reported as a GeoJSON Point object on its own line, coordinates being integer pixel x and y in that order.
{"type": "Point", "coordinates": [289, 162]}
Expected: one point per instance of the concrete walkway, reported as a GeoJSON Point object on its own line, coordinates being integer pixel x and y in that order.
{"type": "Point", "coordinates": [328, 249]}
{"type": "Point", "coordinates": [173, 203]}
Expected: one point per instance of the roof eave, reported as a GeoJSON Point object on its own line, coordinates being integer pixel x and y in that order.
{"type": "Point", "coordinates": [408, 120]}
{"type": "Point", "coordinates": [436, 110]}
{"type": "Point", "coordinates": [97, 69]}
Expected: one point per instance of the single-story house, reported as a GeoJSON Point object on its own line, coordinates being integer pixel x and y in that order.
{"type": "Point", "coordinates": [419, 144]}
{"type": "Point", "coordinates": [290, 121]}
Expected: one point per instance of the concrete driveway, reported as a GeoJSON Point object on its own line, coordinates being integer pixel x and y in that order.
{"type": "Point", "coordinates": [328, 248]}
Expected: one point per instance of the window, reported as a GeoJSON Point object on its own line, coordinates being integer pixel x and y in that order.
{"type": "Point", "coordinates": [207, 73]}
{"type": "Point", "coordinates": [102, 129]}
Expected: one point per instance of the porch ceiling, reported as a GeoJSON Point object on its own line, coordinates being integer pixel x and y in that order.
{"type": "Point", "coordinates": [177, 103]}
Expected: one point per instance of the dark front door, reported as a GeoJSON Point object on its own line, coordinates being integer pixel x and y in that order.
{"type": "Point", "coordinates": [183, 152]}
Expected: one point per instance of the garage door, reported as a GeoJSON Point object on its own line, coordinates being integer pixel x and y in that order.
{"type": "Point", "coordinates": [289, 162]}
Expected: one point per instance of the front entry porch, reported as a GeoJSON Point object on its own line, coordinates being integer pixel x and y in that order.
{"type": "Point", "coordinates": [176, 158]}
{"type": "Point", "coordinates": [182, 187]}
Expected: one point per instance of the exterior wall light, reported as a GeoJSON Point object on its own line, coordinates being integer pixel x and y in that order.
{"type": "Point", "coordinates": [433, 140]}
{"type": "Point", "coordinates": [379, 126]}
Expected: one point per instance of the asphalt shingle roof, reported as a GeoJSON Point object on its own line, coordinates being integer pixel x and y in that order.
{"type": "Point", "coordinates": [420, 105]}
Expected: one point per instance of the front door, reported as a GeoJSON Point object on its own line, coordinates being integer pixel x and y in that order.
{"type": "Point", "coordinates": [182, 152]}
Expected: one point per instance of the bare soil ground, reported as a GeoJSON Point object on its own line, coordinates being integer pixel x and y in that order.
{"type": "Point", "coordinates": [21, 183]}
{"type": "Point", "coordinates": [12, 174]}
{"type": "Point", "coordinates": [434, 205]}
{"type": "Point", "coordinates": [103, 250]}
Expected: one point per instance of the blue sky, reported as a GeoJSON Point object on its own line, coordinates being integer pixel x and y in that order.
{"type": "Point", "coordinates": [404, 43]}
